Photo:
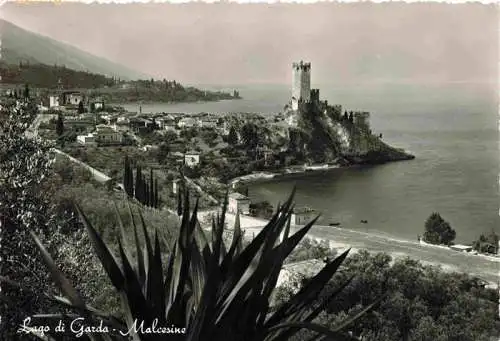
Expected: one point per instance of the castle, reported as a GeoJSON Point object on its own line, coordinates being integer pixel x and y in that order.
{"type": "Point", "coordinates": [303, 94]}
{"type": "Point", "coordinates": [301, 83]}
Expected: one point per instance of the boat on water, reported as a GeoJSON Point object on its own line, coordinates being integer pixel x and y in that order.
{"type": "Point", "coordinates": [364, 221]}
{"type": "Point", "coordinates": [334, 224]}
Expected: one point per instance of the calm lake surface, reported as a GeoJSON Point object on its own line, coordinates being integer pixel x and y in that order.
{"type": "Point", "coordinates": [450, 128]}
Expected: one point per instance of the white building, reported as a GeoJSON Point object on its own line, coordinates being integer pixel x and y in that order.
{"type": "Point", "coordinates": [301, 83]}
{"type": "Point", "coordinates": [53, 101]}
{"type": "Point", "coordinates": [187, 122]}
{"type": "Point", "coordinates": [107, 135]}
{"type": "Point", "coordinates": [207, 122]}
{"type": "Point", "coordinates": [88, 140]}
{"type": "Point", "coordinates": [74, 98]}
{"type": "Point", "coordinates": [192, 159]}
{"type": "Point", "coordinates": [302, 216]}
{"type": "Point", "coordinates": [238, 203]}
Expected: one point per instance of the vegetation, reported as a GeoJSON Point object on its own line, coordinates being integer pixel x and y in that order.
{"type": "Point", "coordinates": [208, 291]}
{"type": "Point", "coordinates": [51, 77]}
{"type": "Point", "coordinates": [487, 243]}
{"type": "Point", "coordinates": [144, 192]}
{"type": "Point", "coordinates": [438, 230]}
{"type": "Point", "coordinates": [60, 125]}
{"type": "Point", "coordinates": [422, 302]}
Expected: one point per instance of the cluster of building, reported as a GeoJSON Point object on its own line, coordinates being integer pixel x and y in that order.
{"type": "Point", "coordinates": [71, 99]}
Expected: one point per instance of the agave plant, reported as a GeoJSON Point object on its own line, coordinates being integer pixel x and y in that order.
{"type": "Point", "coordinates": [207, 290]}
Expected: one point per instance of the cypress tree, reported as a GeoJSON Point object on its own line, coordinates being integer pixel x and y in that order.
{"type": "Point", "coordinates": [138, 183]}
{"type": "Point", "coordinates": [59, 125]}
{"type": "Point", "coordinates": [179, 203]}
{"type": "Point", "coordinates": [131, 179]}
{"type": "Point", "coordinates": [151, 188]}
{"type": "Point", "coordinates": [157, 199]}
{"type": "Point", "coordinates": [142, 192]}
{"type": "Point", "coordinates": [126, 177]}
{"type": "Point", "coordinates": [147, 192]}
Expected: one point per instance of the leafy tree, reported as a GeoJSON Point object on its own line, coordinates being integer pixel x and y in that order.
{"type": "Point", "coordinates": [438, 231]}
{"type": "Point", "coordinates": [60, 125]}
{"type": "Point", "coordinates": [487, 243]}
{"type": "Point", "coordinates": [162, 153]}
{"type": "Point", "coordinates": [25, 205]}
{"type": "Point", "coordinates": [249, 135]}
{"type": "Point", "coordinates": [232, 138]}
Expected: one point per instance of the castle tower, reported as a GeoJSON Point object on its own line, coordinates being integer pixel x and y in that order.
{"type": "Point", "coordinates": [301, 83]}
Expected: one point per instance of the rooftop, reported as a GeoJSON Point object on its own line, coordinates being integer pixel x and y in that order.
{"type": "Point", "coordinates": [303, 210]}
{"type": "Point", "coordinates": [238, 196]}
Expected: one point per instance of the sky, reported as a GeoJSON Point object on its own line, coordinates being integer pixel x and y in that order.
{"type": "Point", "coordinates": [226, 43]}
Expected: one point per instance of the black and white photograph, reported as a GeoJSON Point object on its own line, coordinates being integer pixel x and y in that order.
{"type": "Point", "coordinates": [249, 171]}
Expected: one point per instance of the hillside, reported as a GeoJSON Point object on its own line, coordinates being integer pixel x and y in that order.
{"type": "Point", "coordinates": [20, 45]}
{"type": "Point", "coordinates": [48, 77]}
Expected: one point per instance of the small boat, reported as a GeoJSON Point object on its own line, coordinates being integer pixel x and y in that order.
{"type": "Point", "coordinates": [334, 224]}
{"type": "Point", "coordinates": [364, 221]}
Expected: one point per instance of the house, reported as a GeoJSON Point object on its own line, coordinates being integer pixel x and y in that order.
{"type": "Point", "coordinates": [97, 104]}
{"type": "Point", "coordinates": [302, 216]}
{"type": "Point", "coordinates": [149, 147]}
{"type": "Point", "coordinates": [73, 98]}
{"type": "Point", "coordinates": [87, 140]}
{"type": "Point", "coordinates": [123, 120]}
{"type": "Point", "coordinates": [170, 126]}
{"type": "Point", "coordinates": [106, 135]}
{"type": "Point", "coordinates": [238, 203]}
{"type": "Point", "coordinates": [187, 122]}
{"type": "Point", "coordinates": [207, 122]}
{"type": "Point", "coordinates": [192, 158]}
{"type": "Point", "coordinates": [53, 101]}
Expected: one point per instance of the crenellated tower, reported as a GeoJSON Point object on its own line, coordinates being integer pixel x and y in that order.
{"type": "Point", "coordinates": [301, 83]}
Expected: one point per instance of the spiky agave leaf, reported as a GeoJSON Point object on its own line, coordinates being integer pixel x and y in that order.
{"type": "Point", "coordinates": [214, 292]}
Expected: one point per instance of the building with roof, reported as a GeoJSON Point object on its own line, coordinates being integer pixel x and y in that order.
{"type": "Point", "coordinates": [73, 98]}
{"type": "Point", "coordinates": [53, 101]}
{"type": "Point", "coordinates": [106, 135]}
{"type": "Point", "coordinates": [187, 122]}
{"type": "Point", "coordinates": [302, 216]}
{"type": "Point", "coordinates": [87, 140]}
{"type": "Point", "coordinates": [192, 158]}
{"type": "Point", "coordinates": [238, 203]}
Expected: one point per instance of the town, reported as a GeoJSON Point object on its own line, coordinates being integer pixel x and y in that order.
{"type": "Point", "coordinates": [214, 152]}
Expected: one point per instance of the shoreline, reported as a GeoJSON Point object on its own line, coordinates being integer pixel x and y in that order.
{"type": "Point", "coordinates": [298, 171]}
{"type": "Point", "coordinates": [482, 266]}
{"type": "Point", "coordinates": [172, 103]}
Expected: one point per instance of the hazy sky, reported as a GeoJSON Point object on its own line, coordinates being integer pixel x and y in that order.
{"type": "Point", "coordinates": [236, 44]}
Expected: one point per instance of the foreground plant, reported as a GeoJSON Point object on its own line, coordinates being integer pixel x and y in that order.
{"type": "Point", "coordinates": [207, 291]}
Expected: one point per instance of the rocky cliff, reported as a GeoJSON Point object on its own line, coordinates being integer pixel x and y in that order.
{"type": "Point", "coordinates": [323, 135]}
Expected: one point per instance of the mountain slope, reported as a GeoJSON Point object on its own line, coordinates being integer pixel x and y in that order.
{"type": "Point", "coordinates": [21, 45]}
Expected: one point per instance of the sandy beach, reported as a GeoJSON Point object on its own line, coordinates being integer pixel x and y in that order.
{"type": "Point", "coordinates": [485, 267]}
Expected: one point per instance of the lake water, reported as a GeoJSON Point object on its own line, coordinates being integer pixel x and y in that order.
{"type": "Point", "coordinates": [450, 128]}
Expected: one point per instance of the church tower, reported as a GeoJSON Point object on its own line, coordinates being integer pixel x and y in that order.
{"type": "Point", "coordinates": [301, 83]}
